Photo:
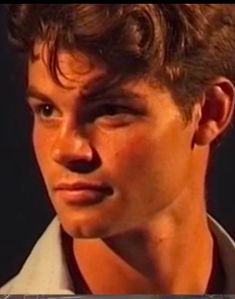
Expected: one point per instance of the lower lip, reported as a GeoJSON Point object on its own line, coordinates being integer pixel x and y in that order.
{"type": "Point", "coordinates": [81, 197]}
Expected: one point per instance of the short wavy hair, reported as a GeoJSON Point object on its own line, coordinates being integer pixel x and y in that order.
{"type": "Point", "coordinates": [183, 46]}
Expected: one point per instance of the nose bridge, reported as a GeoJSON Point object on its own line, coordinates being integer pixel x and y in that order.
{"type": "Point", "coordinates": [71, 144]}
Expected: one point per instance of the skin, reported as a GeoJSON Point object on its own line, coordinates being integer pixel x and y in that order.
{"type": "Point", "coordinates": [142, 149]}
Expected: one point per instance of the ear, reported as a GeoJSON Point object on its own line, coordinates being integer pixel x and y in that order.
{"type": "Point", "coordinates": [216, 111]}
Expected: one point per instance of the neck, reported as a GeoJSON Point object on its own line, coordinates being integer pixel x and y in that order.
{"type": "Point", "coordinates": [170, 255]}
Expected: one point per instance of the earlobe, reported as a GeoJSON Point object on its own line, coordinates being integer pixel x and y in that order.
{"type": "Point", "coordinates": [206, 133]}
{"type": "Point", "coordinates": [217, 109]}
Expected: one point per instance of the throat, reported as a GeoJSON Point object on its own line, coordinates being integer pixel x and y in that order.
{"type": "Point", "coordinates": [120, 266]}
{"type": "Point", "coordinates": [94, 269]}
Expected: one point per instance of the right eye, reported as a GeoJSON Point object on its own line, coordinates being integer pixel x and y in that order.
{"type": "Point", "coordinates": [44, 111]}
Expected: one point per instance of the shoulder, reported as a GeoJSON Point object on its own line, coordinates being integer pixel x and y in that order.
{"type": "Point", "coordinates": [45, 269]}
{"type": "Point", "coordinates": [6, 288]}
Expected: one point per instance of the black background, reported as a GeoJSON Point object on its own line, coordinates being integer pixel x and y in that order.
{"type": "Point", "coordinates": [25, 208]}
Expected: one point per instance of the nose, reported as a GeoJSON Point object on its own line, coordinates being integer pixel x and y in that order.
{"type": "Point", "coordinates": [71, 148]}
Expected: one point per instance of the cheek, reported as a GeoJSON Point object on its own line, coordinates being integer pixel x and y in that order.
{"type": "Point", "coordinates": [150, 165]}
{"type": "Point", "coordinates": [139, 151]}
{"type": "Point", "coordinates": [42, 148]}
{"type": "Point", "coordinates": [132, 156]}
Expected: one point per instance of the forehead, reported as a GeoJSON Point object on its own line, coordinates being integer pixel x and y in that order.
{"type": "Point", "coordinates": [73, 68]}
{"type": "Point", "coordinates": [85, 75]}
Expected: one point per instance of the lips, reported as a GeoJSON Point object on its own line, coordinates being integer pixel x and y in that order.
{"type": "Point", "coordinates": [82, 193]}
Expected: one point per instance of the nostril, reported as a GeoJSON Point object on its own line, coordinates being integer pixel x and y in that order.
{"type": "Point", "coordinates": [83, 166]}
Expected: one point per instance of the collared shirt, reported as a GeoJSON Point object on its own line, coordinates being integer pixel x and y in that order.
{"type": "Point", "coordinates": [46, 272]}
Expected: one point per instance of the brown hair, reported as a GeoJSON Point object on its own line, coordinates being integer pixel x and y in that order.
{"type": "Point", "coordinates": [183, 46]}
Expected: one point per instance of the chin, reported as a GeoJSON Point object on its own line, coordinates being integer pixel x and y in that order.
{"type": "Point", "coordinates": [77, 228]}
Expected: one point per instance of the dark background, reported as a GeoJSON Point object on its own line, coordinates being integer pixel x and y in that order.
{"type": "Point", "coordinates": [25, 208]}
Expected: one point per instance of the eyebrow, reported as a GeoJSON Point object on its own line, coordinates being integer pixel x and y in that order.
{"type": "Point", "coordinates": [33, 92]}
{"type": "Point", "coordinates": [90, 93]}
{"type": "Point", "coordinates": [102, 89]}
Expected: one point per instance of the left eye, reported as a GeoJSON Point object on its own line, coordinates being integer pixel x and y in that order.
{"type": "Point", "coordinates": [112, 110]}
{"type": "Point", "coordinates": [110, 115]}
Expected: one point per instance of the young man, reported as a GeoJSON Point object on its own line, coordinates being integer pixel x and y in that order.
{"type": "Point", "coordinates": [127, 102]}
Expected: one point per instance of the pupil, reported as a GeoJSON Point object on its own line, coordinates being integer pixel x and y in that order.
{"type": "Point", "coordinates": [47, 110]}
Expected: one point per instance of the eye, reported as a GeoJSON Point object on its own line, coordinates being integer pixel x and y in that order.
{"type": "Point", "coordinates": [44, 111]}
{"type": "Point", "coordinates": [111, 114]}
{"type": "Point", "coordinates": [112, 110]}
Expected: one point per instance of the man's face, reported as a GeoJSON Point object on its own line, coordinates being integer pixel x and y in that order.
{"type": "Point", "coordinates": [112, 159]}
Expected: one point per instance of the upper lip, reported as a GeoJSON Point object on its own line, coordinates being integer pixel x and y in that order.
{"type": "Point", "coordinates": [78, 185]}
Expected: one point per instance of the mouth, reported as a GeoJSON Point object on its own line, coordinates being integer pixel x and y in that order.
{"type": "Point", "coordinates": [82, 193]}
